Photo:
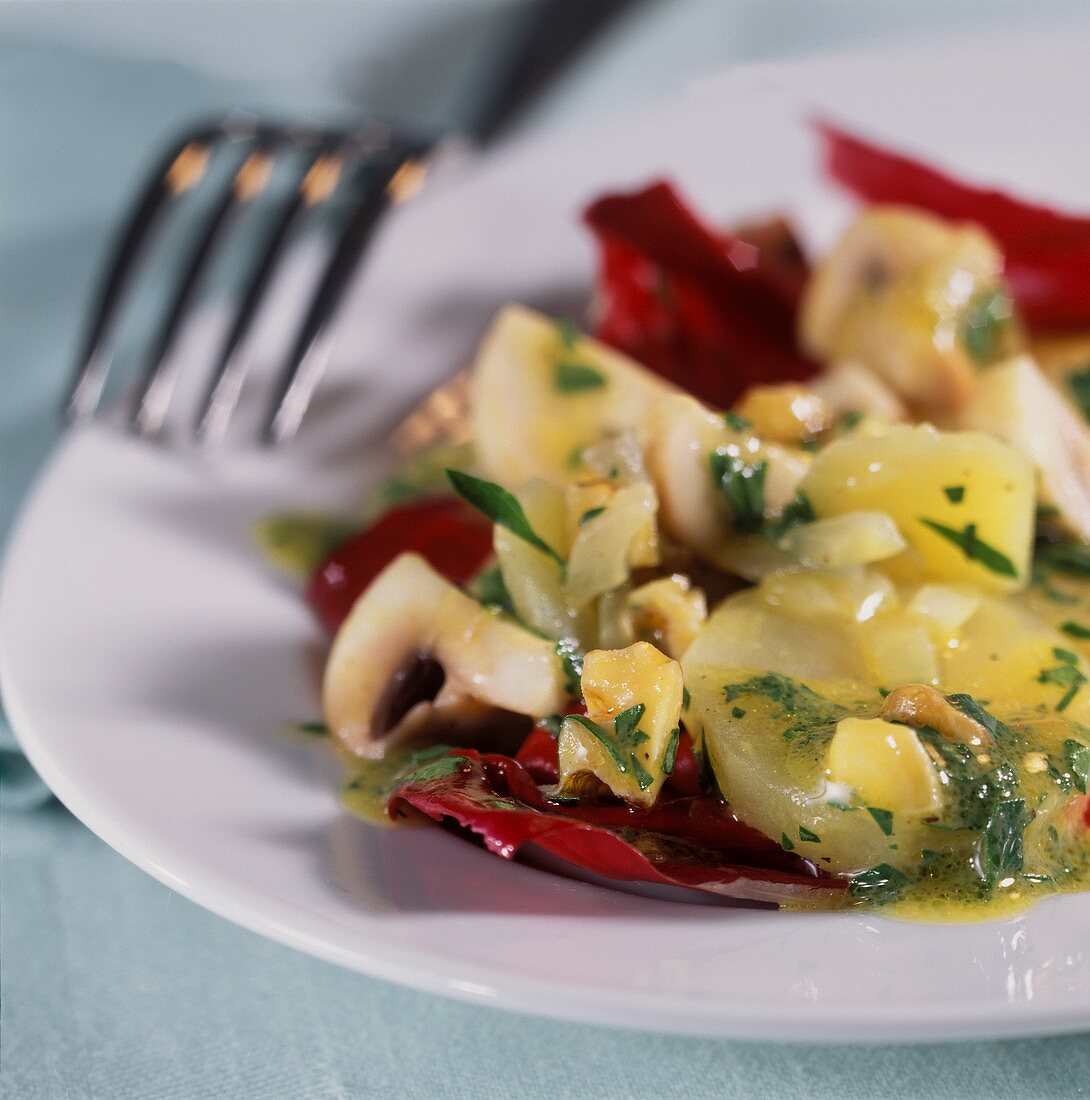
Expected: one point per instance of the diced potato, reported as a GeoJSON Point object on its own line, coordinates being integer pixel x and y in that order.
{"type": "Point", "coordinates": [901, 293]}
{"type": "Point", "coordinates": [538, 397]}
{"type": "Point", "coordinates": [629, 742]}
{"type": "Point", "coordinates": [886, 765]}
{"type": "Point", "coordinates": [964, 501]}
{"type": "Point", "coordinates": [854, 538]}
{"type": "Point", "coordinates": [534, 580]}
{"type": "Point", "coordinates": [785, 413]}
{"type": "Point", "coordinates": [944, 609]}
{"type": "Point", "coordinates": [410, 610]}
{"type": "Point", "coordinates": [1015, 402]}
{"type": "Point", "coordinates": [610, 544]}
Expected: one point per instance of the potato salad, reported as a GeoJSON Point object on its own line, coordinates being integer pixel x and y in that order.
{"type": "Point", "coordinates": [771, 580]}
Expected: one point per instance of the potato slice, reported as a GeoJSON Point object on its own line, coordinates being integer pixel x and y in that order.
{"type": "Point", "coordinates": [964, 501]}
{"type": "Point", "coordinates": [539, 395]}
{"type": "Point", "coordinates": [780, 669]}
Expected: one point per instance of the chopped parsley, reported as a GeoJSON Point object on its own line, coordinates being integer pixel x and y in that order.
{"type": "Point", "coordinates": [882, 818]}
{"type": "Point", "coordinates": [796, 511]}
{"type": "Point", "coordinates": [577, 377]}
{"type": "Point", "coordinates": [739, 423]}
{"type": "Point", "coordinates": [878, 885]}
{"type": "Point", "coordinates": [1001, 848]}
{"type": "Point", "coordinates": [806, 835]}
{"type": "Point", "coordinates": [590, 514]}
{"type": "Point", "coordinates": [1077, 759]}
{"type": "Point", "coordinates": [1064, 557]}
{"type": "Point", "coordinates": [973, 547]}
{"type": "Point", "coordinates": [850, 420]}
{"type": "Point", "coordinates": [1079, 385]}
{"type": "Point", "coordinates": [501, 507]}
{"type": "Point", "coordinates": [686, 698]}
{"type": "Point", "coordinates": [1066, 674]}
{"type": "Point", "coordinates": [622, 742]}
{"type": "Point", "coordinates": [955, 494]}
{"type": "Point", "coordinates": [786, 843]}
{"type": "Point", "coordinates": [570, 376]}
{"type": "Point", "coordinates": [669, 757]}
{"type": "Point", "coordinates": [737, 712]}
{"type": "Point", "coordinates": [984, 324]}
{"type": "Point", "coordinates": [1076, 630]}
{"type": "Point", "coordinates": [310, 729]}
{"type": "Point", "coordinates": [791, 699]}
{"type": "Point", "coordinates": [743, 485]}
{"type": "Point", "coordinates": [492, 591]}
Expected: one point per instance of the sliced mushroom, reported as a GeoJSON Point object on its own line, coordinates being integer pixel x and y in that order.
{"type": "Point", "coordinates": [1015, 402]}
{"type": "Point", "coordinates": [467, 662]}
{"type": "Point", "coordinates": [681, 435]}
{"type": "Point", "coordinates": [915, 299]}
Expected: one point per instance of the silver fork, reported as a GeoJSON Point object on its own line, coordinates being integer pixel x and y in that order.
{"type": "Point", "coordinates": [355, 173]}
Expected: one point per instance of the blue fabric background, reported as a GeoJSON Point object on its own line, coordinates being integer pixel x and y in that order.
{"type": "Point", "coordinates": [112, 985]}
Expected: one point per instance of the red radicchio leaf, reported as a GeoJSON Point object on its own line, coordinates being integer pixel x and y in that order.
{"type": "Point", "coordinates": [1047, 253]}
{"type": "Point", "coordinates": [689, 842]}
{"type": "Point", "coordinates": [455, 540]}
{"type": "Point", "coordinates": [713, 313]}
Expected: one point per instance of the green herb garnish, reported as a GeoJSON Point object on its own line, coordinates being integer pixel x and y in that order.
{"type": "Point", "coordinates": [1000, 850]}
{"type": "Point", "coordinates": [1076, 630]}
{"type": "Point", "coordinates": [1077, 759]}
{"type": "Point", "coordinates": [796, 511]}
{"type": "Point", "coordinates": [973, 547]}
{"type": "Point", "coordinates": [786, 843]}
{"type": "Point", "coordinates": [791, 699]}
{"type": "Point", "coordinates": [577, 377]}
{"type": "Point", "coordinates": [739, 423]}
{"type": "Point", "coordinates": [622, 743]}
{"type": "Point", "coordinates": [669, 757]}
{"type": "Point", "coordinates": [590, 514]}
{"type": "Point", "coordinates": [878, 885]}
{"type": "Point", "coordinates": [501, 507]}
{"type": "Point", "coordinates": [882, 818]}
{"type": "Point", "coordinates": [1066, 674]}
{"type": "Point", "coordinates": [807, 835]}
{"type": "Point", "coordinates": [310, 729]}
{"type": "Point", "coordinates": [1079, 385]}
{"type": "Point", "coordinates": [737, 712]}
{"type": "Point", "coordinates": [492, 591]}
{"type": "Point", "coordinates": [743, 485]}
{"type": "Point", "coordinates": [570, 376]}
{"type": "Point", "coordinates": [986, 319]}
{"type": "Point", "coordinates": [955, 494]}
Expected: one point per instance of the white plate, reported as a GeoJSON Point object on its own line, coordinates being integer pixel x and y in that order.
{"type": "Point", "coordinates": [149, 660]}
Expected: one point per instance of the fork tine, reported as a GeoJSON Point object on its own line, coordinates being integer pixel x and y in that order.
{"type": "Point", "coordinates": [178, 172]}
{"type": "Point", "coordinates": [316, 181]}
{"type": "Point", "coordinates": [391, 179]}
{"type": "Point", "coordinates": [156, 385]}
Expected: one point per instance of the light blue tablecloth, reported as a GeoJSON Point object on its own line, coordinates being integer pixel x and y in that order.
{"type": "Point", "coordinates": [112, 985]}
